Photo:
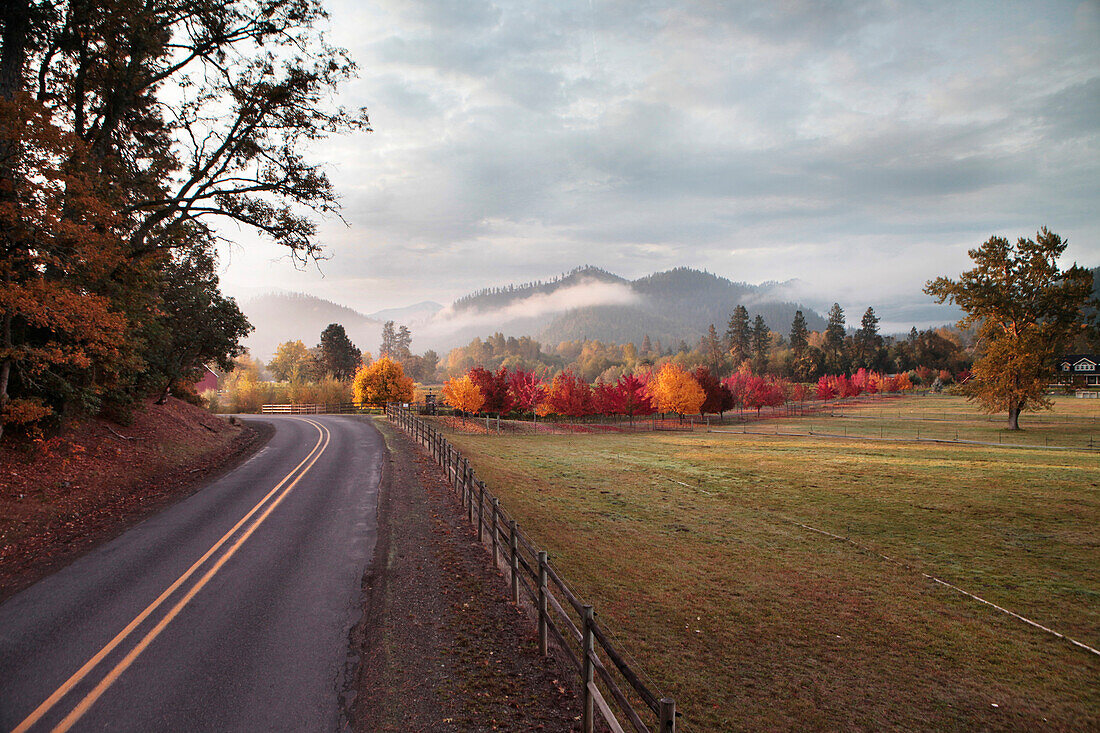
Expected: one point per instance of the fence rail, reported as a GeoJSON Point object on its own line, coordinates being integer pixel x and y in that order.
{"type": "Point", "coordinates": [583, 640]}
{"type": "Point", "coordinates": [327, 408]}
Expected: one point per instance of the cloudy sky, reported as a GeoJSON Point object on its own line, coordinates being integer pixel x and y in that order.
{"type": "Point", "coordinates": [860, 149]}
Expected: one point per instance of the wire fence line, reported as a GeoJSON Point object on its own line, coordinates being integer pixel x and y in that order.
{"type": "Point", "coordinates": [452, 421]}
{"type": "Point", "coordinates": [611, 689]}
{"type": "Point", "coordinates": [859, 417]}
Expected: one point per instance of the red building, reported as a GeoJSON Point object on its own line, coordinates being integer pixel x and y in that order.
{"type": "Point", "coordinates": [209, 380]}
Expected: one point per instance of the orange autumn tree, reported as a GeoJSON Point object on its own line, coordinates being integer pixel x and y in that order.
{"type": "Point", "coordinates": [61, 341]}
{"type": "Point", "coordinates": [382, 382]}
{"type": "Point", "coordinates": [675, 390]}
{"type": "Point", "coordinates": [463, 394]}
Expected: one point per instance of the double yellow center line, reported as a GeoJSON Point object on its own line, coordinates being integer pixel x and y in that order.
{"type": "Point", "coordinates": [264, 507]}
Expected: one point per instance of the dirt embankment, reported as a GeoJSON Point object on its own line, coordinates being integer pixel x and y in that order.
{"type": "Point", "coordinates": [442, 648]}
{"type": "Point", "coordinates": [63, 496]}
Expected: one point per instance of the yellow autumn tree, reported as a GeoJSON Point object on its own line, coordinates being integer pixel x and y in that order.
{"type": "Point", "coordinates": [463, 394]}
{"type": "Point", "coordinates": [677, 391]}
{"type": "Point", "coordinates": [382, 382]}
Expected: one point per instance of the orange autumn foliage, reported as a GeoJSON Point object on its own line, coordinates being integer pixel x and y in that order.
{"type": "Point", "coordinates": [62, 339]}
{"type": "Point", "coordinates": [382, 382]}
{"type": "Point", "coordinates": [675, 390]}
{"type": "Point", "coordinates": [463, 394]}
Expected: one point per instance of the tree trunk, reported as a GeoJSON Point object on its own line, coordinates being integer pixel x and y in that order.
{"type": "Point", "coordinates": [5, 368]}
{"type": "Point", "coordinates": [1014, 417]}
{"type": "Point", "coordinates": [13, 55]}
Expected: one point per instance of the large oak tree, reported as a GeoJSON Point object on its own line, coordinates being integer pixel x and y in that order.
{"type": "Point", "coordinates": [1026, 310]}
{"type": "Point", "coordinates": [126, 128]}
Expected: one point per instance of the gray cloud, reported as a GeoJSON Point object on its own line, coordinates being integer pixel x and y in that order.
{"type": "Point", "coordinates": [861, 148]}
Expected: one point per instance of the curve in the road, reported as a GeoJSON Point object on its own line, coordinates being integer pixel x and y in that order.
{"type": "Point", "coordinates": [191, 582]}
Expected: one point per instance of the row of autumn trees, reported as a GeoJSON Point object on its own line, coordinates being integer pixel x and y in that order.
{"type": "Point", "coordinates": [669, 389]}
{"type": "Point", "coordinates": [126, 128]}
{"type": "Point", "coordinates": [801, 355]}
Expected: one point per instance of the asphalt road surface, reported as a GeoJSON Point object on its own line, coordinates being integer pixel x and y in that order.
{"type": "Point", "coordinates": [228, 611]}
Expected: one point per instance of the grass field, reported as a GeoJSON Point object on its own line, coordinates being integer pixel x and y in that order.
{"type": "Point", "coordinates": [1073, 422]}
{"type": "Point", "coordinates": [689, 547]}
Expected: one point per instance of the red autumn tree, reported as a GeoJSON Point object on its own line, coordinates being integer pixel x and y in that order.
{"type": "Point", "coordinates": [797, 392]}
{"type": "Point", "coordinates": [712, 390]}
{"type": "Point", "coordinates": [761, 392]}
{"type": "Point", "coordinates": [634, 396]}
{"type": "Point", "coordinates": [569, 395]}
{"type": "Point", "coordinates": [494, 387]}
{"type": "Point", "coordinates": [526, 390]}
{"type": "Point", "coordinates": [737, 385]}
{"type": "Point", "coordinates": [847, 387]}
{"type": "Point", "coordinates": [826, 389]}
{"type": "Point", "coordinates": [607, 399]}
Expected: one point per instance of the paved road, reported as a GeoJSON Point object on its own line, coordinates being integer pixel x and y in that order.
{"type": "Point", "coordinates": [229, 611]}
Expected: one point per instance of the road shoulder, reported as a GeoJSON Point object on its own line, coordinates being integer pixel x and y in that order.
{"type": "Point", "coordinates": [441, 648]}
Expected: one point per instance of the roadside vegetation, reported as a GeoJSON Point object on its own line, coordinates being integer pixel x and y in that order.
{"type": "Point", "coordinates": [61, 496]}
{"type": "Point", "coordinates": [690, 546]}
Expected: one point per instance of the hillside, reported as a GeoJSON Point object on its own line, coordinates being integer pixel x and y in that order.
{"type": "Point", "coordinates": [587, 302]}
{"type": "Point", "coordinates": [674, 305]}
{"type": "Point", "coordinates": [502, 297]}
{"type": "Point", "coordinates": [280, 317]}
{"type": "Point", "coordinates": [670, 306]}
{"type": "Point", "coordinates": [409, 315]}
{"type": "Point", "coordinates": [64, 495]}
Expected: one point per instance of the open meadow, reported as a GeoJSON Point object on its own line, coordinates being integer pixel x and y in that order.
{"type": "Point", "coordinates": [700, 553]}
{"type": "Point", "coordinates": [1072, 423]}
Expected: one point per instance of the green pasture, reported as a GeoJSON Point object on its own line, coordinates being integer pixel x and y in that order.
{"type": "Point", "coordinates": [689, 546]}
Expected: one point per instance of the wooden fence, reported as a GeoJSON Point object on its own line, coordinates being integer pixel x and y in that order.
{"type": "Point", "coordinates": [328, 408]}
{"type": "Point", "coordinates": [559, 612]}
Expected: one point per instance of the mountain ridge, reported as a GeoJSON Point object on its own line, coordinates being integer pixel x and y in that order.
{"type": "Point", "coordinates": [583, 303]}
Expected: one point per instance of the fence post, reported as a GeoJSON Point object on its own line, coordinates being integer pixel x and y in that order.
{"type": "Point", "coordinates": [513, 545]}
{"type": "Point", "coordinates": [480, 510]}
{"type": "Point", "coordinates": [470, 502]}
{"type": "Point", "coordinates": [587, 650]}
{"type": "Point", "coordinates": [668, 715]}
{"type": "Point", "coordinates": [542, 602]}
{"type": "Point", "coordinates": [496, 513]}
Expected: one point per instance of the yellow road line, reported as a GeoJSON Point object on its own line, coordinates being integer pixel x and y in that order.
{"type": "Point", "coordinates": [80, 674]}
{"type": "Point", "coordinates": [107, 681]}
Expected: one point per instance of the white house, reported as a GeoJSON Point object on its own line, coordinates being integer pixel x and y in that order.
{"type": "Point", "coordinates": [1079, 369]}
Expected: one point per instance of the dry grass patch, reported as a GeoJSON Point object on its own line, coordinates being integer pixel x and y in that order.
{"type": "Point", "coordinates": [685, 544]}
{"type": "Point", "coordinates": [1073, 422]}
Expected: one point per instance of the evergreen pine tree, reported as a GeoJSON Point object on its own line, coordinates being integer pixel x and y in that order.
{"type": "Point", "coordinates": [867, 339]}
{"type": "Point", "coordinates": [760, 343]}
{"type": "Point", "coordinates": [739, 335]}
{"type": "Point", "coordinates": [799, 334]}
{"type": "Point", "coordinates": [338, 354]}
{"type": "Point", "coordinates": [834, 336]}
